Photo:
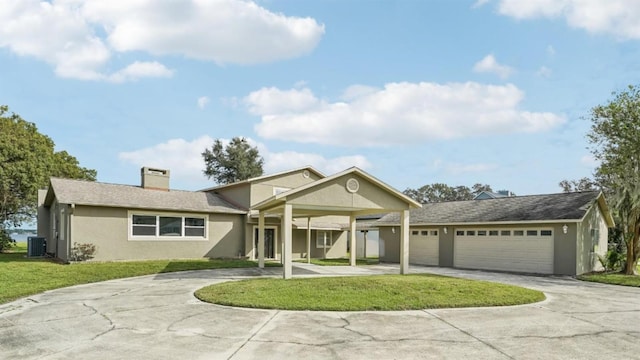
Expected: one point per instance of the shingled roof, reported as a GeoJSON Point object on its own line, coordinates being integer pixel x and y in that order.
{"type": "Point", "coordinates": [82, 192]}
{"type": "Point", "coordinates": [533, 208]}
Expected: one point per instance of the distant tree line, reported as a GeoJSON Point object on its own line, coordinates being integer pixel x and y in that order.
{"type": "Point", "coordinates": [439, 192]}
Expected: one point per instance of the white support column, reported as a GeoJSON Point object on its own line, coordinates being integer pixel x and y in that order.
{"type": "Point", "coordinates": [404, 242]}
{"type": "Point", "coordinates": [261, 240]}
{"type": "Point", "coordinates": [309, 240]}
{"type": "Point", "coordinates": [352, 240]}
{"type": "Point", "coordinates": [287, 253]}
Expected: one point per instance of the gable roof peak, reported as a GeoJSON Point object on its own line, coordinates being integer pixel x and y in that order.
{"type": "Point", "coordinates": [267, 176]}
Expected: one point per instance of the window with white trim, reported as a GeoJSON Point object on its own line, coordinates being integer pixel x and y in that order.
{"type": "Point", "coordinates": [323, 238]}
{"type": "Point", "coordinates": [169, 226]}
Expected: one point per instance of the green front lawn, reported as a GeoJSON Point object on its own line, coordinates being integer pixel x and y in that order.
{"type": "Point", "coordinates": [341, 261]}
{"type": "Point", "coordinates": [21, 276]}
{"type": "Point", "coordinates": [612, 278]}
{"type": "Point", "coordinates": [360, 293]}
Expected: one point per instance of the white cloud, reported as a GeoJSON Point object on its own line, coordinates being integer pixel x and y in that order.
{"type": "Point", "coordinates": [479, 3]}
{"type": "Point", "coordinates": [183, 158]}
{"type": "Point", "coordinates": [139, 70]}
{"type": "Point", "coordinates": [544, 72]}
{"type": "Point", "coordinates": [203, 101]}
{"type": "Point", "coordinates": [280, 161]}
{"type": "Point", "coordinates": [551, 51]}
{"type": "Point", "coordinates": [617, 17]}
{"type": "Point", "coordinates": [489, 65]}
{"type": "Point", "coordinates": [273, 100]}
{"type": "Point", "coordinates": [354, 92]}
{"type": "Point", "coordinates": [78, 38]}
{"type": "Point", "coordinates": [400, 113]}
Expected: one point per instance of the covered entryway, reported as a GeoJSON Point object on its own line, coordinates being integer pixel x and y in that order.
{"type": "Point", "coordinates": [424, 246]}
{"type": "Point", "coordinates": [269, 242]}
{"type": "Point", "coordinates": [527, 250]}
{"type": "Point", "coordinates": [346, 195]}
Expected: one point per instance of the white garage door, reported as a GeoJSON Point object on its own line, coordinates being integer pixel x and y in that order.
{"type": "Point", "coordinates": [519, 250]}
{"type": "Point", "coordinates": [423, 247]}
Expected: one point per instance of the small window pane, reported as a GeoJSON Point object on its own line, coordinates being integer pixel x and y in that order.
{"type": "Point", "coordinates": [170, 226]}
{"type": "Point", "coordinates": [143, 230]}
{"type": "Point", "coordinates": [190, 231]}
{"type": "Point", "coordinates": [493, 232]}
{"type": "Point", "coordinates": [532, 232]}
{"type": "Point", "coordinates": [144, 220]}
{"type": "Point", "coordinates": [545, 232]}
{"type": "Point", "coordinates": [518, 233]}
{"type": "Point", "coordinates": [434, 233]}
{"type": "Point", "coordinates": [194, 222]}
{"type": "Point", "coordinates": [424, 233]}
{"type": "Point", "coordinates": [459, 233]}
{"type": "Point", "coordinates": [415, 232]}
{"type": "Point", "coordinates": [482, 232]}
{"type": "Point", "coordinates": [505, 232]}
{"type": "Point", "coordinates": [471, 232]}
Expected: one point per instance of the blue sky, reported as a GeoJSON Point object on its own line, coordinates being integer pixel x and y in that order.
{"type": "Point", "coordinates": [414, 92]}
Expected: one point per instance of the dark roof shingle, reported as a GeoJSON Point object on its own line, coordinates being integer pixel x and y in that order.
{"type": "Point", "coordinates": [82, 192]}
{"type": "Point", "coordinates": [564, 206]}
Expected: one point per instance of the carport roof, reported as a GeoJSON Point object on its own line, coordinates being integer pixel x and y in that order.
{"type": "Point", "coordinates": [531, 208]}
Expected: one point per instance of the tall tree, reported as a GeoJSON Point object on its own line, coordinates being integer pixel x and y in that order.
{"type": "Point", "coordinates": [584, 184]}
{"type": "Point", "coordinates": [615, 142]}
{"type": "Point", "coordinates": [478, 188]}
{"type": "Point", "coordinates": [439, 192]}
{"type": "Point", "coordinates": [27, 161]}
{"type": "Point", "coordinates": [236, 162]}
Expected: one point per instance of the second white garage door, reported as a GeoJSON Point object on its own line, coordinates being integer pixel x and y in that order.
{"type": "Point", "coordinates": [423, 247]}
{"type": "Point", "coordinates": [519, 250]}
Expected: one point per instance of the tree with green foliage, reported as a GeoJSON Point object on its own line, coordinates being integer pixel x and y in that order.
{"type": "Point", "coordinates": [235, 162]}
{"type": "Point", "coordinates": [27, 161]}
{"type": "Point", "coordinates": [615, 142]}
{"type": "Point", "coordinates": [439, 192]}
{"type": "Point", "coordinates": [584, 184]}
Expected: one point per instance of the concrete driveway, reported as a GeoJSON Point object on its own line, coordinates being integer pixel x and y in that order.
{"type": "Point", "coordinates": [157, 317]}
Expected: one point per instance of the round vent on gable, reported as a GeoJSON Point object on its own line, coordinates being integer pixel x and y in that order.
{"type": "Point", "coordinates": [352, 185]}
{"type": "Point", "coordinates": [305, 174]}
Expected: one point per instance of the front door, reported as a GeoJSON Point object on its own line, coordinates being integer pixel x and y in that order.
{"type": "Point", "coordinates": [269, 241]}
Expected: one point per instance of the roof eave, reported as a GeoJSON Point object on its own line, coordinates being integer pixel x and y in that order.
{"type": "Point", "coordinates": [492, 223]}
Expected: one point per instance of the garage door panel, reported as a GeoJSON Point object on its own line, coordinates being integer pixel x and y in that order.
{"type": "Point", "coordinates": [424, 249]}
{"type": "Point", "coordinates": [506, 253]}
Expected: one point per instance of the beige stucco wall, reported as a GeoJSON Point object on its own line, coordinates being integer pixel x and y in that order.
{"type": "Point", "coordinates": [334, 193]}
{"type": "Point", "coordinates": [263, 189]}
{"type": "Point", "coordinates": [299, 242]}
{"type": "Point", "coordinates": [238, 195]}
{"type": "Point", "coordinates": [593, 236]}
{"type": "Point", "coordinates": [564, 249]}
{"type": "Point", "coordinates": [44, 219]}
{"type": "Point", "coordinates": [55, 223]}
{"type": "Point", "coordinates": [107, 229]}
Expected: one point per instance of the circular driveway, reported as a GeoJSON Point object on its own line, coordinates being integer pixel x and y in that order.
{"type": "Point", "coordinates": [157, 317]}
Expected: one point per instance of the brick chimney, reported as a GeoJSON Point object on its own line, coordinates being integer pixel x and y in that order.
{"type": "Point", "coordinates": [154, 179]}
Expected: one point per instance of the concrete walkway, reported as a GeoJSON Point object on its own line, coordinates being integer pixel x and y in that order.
{"type": "Point", "coordinates": [157, 317]}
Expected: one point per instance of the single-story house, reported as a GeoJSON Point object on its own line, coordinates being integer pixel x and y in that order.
{"type": "Point", "coordinates": [302, 213]}
{"type": "Point", "coordinates": [559, 234]}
